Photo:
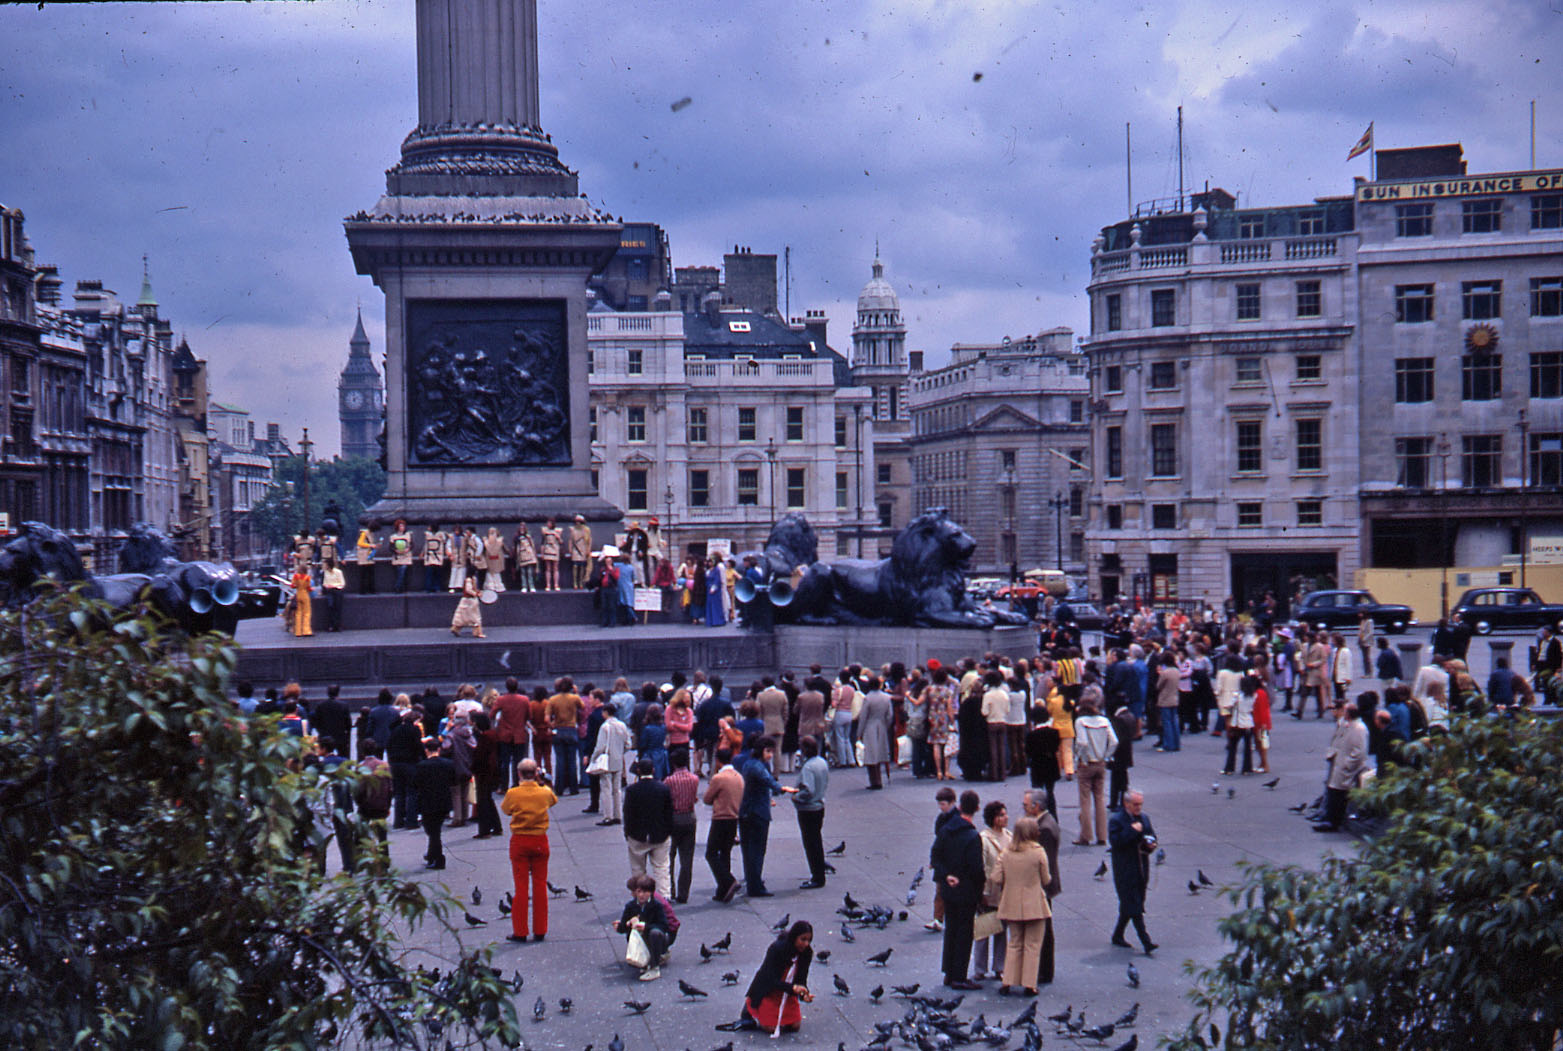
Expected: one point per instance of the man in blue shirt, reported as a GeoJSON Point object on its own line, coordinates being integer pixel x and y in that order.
{"type": "Point", "coordinates": [626, 589]}
{"type": "Point", "coordinates": [754, 814]}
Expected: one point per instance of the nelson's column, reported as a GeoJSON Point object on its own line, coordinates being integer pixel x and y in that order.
{"type": "Point", "coordinates": [482, 245]}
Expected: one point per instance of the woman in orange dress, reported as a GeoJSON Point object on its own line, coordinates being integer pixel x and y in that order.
{"type": "Point", "coordinates": [301, 614]}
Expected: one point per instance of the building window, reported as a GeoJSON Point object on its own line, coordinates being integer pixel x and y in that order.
{"type": "Point", "coordinates": [841, 432]}
{"type": "Point", "coordinates": [635, 423]}
{"type": "Point", "coordinates": [1007, 549]}
{"type": "Point", "coordinates": [1481, 300]}
{"type": "Point", "coordinates": [1250, 226]}
{"type": "Point", "coordinates": [1164, 516]}
{"type": "Point", "coordinates": [636, 489]}
{"type": "Point", "coordinates": [1481, 377]}
{"type": "Point", "coordinates": [1413, 462]}
{"type": "Point", "coordinates": [886, 511]}
{"type": "Point", "coordinates": [591, 421]}
{"type": "Point", "coordinates": [1076, 460]}
{"type": "Point", "coordinates": [1413, 380]}
{"type": "Point", "coordinates": [1546, 459]}
{"type": "Point", "coordinates": [797, 494]}
{"type": "Point", "coordinates": [748, 486]}
{"type": "Point", "coordinates": [1250, 513]}
{"type": "Point", "coordinates": [1164, 375]}
{"type": "Point", "coordinates": [1250, 445]}
{"type": "Point", "coordinates": [1115, 452]}
{"type": "Point", "coordinates": [1413, 304]}
{"type": "Point", "coordinates": [591, 359]}
{"type": "Point", "coordinates": [1114, 312]}
{"type": "Point", "coordinates": [1164, 303]}
{"type": "Point", "coordinates": [1006, 460]}
{"type": "Point", "coordinates": [635, 360]}
{"type": "Point", "coordinates": [1546, 211]}
{"type": "Point", "coordinates": [1076, 410]}
{"type": "Point", "coordinates": [1248, 302]}
{"type": "Point", "coordinates": [1077, 548]}
{"type": "Point", "coordinates": [1310, 367]}
{"type": "Point", "coordinates": [1546, 297]}
{"type": "Point", "coordinates": [883, 472]}
{"type": "Point", "coordinates": [1481, 460]}
{"type": "Point", "coordinates": [1310, 301]}
{"type": "Point", "coordinates": [795, 423]}
{"type": "Point", "coordinates": [1112, 379]}
{"type": "Point", "coordinates": [1481, 217]}
{"type": "Point", "coordinates": [1310, 224]}
{"type": "Point", "coordinates": [697, 425]}
{"type": "Point", "coordinates": [1007, 502]}
{"type": "Point", "coordinates": [841, 490]}
{"type": "Point", "coordinates": [1076, 501]}
{"type": "Point", "coordinates": [1310, 512]}
{"type": "Point", "coordinates": [1249, 370]}
{"type": "Point", "coordinates": [1546, 374]}
{"type": "Point", "coordinates": [1164, 450]}
{"type": "Point", "coordinates": [1114, 516]}
{"type": "Point", "coordinates": [1310, 445]}
{"type": "Point", "coordinates": [700, 488]}
{"type": "Point", "coordinates": [746, 425]}
{"type": "Point", "coordinates": [1413, 220]}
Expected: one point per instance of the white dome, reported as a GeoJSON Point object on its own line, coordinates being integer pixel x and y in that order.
{"type": "Point", "coordinates": [878, 296]}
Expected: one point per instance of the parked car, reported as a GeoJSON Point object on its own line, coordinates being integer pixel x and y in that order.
{"type": "Point", "coordinates": [1340, 610]}
{"type": "Point", "coordinates": [1087, 616]}
{"type": "Point", "coordinates": [1490, 609]}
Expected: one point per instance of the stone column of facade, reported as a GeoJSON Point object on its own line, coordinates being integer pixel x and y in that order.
{"type": "Point", "coordinates": [483, 245]}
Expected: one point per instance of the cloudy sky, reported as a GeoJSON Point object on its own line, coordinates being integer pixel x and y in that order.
{"type": "Point", "coordinates": [982, 144]}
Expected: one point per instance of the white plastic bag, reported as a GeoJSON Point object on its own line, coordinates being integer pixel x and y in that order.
{"type": "Point", "coordinates": [637, 955]}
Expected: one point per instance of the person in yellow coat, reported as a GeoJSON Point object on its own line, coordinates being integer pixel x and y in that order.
{"type": "Point", "coordinates": [1062, 710]}
{"type": "Point", "coordinates": [301, 606]}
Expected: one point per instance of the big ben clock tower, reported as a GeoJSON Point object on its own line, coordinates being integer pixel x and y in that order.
{"type": "Point", "coordinates": [360, 400]}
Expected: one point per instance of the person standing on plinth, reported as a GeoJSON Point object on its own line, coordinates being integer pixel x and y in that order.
{"type": "Point", "coordinates": [363, 554]}
{"type": "Point", "coordinates": [433, 558]}
{"type": "Point", "coordinates": [494, 552]}
{"type": "Point", "coordinates": [301, 606]}
{"type": "Point", "coordinates": [469, 611]}
{"type": "Point", "coordinates": [580, 552]}
{"type": "Point", "coordinates": [552, 538]}
{"type": "Point", "coordinates": [456, 553]}
{"type": "Point", "coordinates": [525, 554]}
{"type": "Point", "coordinates": [333, 582]}
{"type": "Point", "coordinates": [626, 589]}
{"type": "Point", "coordinates": [401, 554]}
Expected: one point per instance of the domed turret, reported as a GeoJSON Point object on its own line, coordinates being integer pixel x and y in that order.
{"type": "Point", "coordinates": [879, 345]}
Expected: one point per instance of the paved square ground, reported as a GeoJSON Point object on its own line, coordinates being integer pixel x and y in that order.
{"type": "Point", "coordinates": [887, 838]}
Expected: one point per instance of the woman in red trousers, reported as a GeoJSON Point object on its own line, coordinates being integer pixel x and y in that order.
{"type": "Point", "coordinates": [528, 804]}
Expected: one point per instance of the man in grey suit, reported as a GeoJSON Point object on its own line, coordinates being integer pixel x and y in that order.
{"type": "Point", "coordinates": [1034, 803]}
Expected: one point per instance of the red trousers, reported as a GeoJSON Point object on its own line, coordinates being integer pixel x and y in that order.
{"type": "Point", "coordinates": [529, 862]}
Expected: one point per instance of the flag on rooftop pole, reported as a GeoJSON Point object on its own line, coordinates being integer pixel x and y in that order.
{"type": "Point", "coordinates": [1363, 145]}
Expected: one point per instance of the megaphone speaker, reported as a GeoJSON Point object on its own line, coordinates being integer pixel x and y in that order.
{"type": "Point", "coordinates": [225, 592]}
{"type": "Point", "coordinates": [744, 591]}
{"type": "Point", "coordinates": [201, 600]}
{"type": "Point", "coordinates": [781, 593]}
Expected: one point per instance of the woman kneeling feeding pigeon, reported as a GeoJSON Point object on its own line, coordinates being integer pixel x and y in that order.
{"type": "Point", "coordinates": [781, 984]}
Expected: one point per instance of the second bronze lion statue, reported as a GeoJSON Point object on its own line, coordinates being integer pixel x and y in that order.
{"type": "Point", "coordinates": [922, 582]}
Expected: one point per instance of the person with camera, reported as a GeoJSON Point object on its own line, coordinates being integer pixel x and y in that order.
{"type": "Point", "coordinates": [1133, 841]}
{"type": "Point", "coordinates": [528, 804]}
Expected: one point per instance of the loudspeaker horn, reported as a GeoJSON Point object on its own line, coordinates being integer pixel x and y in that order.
{"type": "Point", "coordinates": [744, 591]}
{"type": "Point", "coordinates": [225, 592]}
{"type": "Point", "coordinates": [201, 600]}
{"type": "Point", "coordinates": [781, 592]}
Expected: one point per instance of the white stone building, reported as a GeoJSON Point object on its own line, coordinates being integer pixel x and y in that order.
{"type": "Point", "coordinates": [717, 422]}
{"type": "Point", "coordinates": [880, 363]}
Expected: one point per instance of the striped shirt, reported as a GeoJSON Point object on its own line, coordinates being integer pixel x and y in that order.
{"type": "Point", "coordinates": [684, 786]}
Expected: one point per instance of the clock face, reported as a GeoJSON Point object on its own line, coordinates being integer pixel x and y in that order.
{"type": "Point", "coordinates": [353, 399]}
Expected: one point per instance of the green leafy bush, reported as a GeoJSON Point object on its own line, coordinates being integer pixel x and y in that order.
{"type": "Point", "coordinates": [1444, 932]}
{"type": "Point", "coordinates": [151, 892]}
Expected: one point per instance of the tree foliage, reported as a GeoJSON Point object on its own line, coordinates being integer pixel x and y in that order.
{"type": "Point", "coordinates": [1444, 932]}
{"type": "Point", "coordinates": [352, 483]}
{"type": "Point", "coordinates": [151, 892]}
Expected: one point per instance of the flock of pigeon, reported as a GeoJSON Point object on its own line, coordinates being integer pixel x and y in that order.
{"type": "Point", "coordinates": [929, 1023]}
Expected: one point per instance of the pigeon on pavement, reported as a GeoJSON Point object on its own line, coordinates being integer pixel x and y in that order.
{"type": "Point", "coordinates": [1134, 976]}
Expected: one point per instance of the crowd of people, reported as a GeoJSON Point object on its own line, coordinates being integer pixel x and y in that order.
{"type": "Point", "coordinates": [648, 757]}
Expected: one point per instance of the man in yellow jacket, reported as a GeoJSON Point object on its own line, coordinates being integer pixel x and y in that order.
{"type": "Point", "coordinates": [528, 804]}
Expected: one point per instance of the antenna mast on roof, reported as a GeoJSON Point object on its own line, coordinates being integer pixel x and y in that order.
{"type": "Point", "coordinates": [1180, 158]}
{"type": "Point", "coordinates": [787, 281]}
{"type": "Point", "coordinates": [1128, 169]}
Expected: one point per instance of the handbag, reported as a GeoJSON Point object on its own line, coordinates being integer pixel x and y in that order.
{"type": "Point", "coordinates": [637, 955]}
{"type": "Point", "coordinates": [986, 925]}
{"type": "Point", "coordinates": [598, 766]}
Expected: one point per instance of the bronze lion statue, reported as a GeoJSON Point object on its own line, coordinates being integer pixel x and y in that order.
{"type": "Point", "coordinates": [922, 583]}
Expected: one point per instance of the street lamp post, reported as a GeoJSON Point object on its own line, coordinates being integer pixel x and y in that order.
{"type": "Point", "coordinates": [1524, 494]}
{"type": "Point", "coordinates": [857, 439]}
{"type": "Point", "coordinates": [770, 453]}
{"type": "Point", "coordinates": [305, 444]}
{"type": "Point", "coordinates": [1444, 450]}
{"type": "Point", "coordinates": [1058, 503]}
{"type": "Point", "coordinates": [667, 525]}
